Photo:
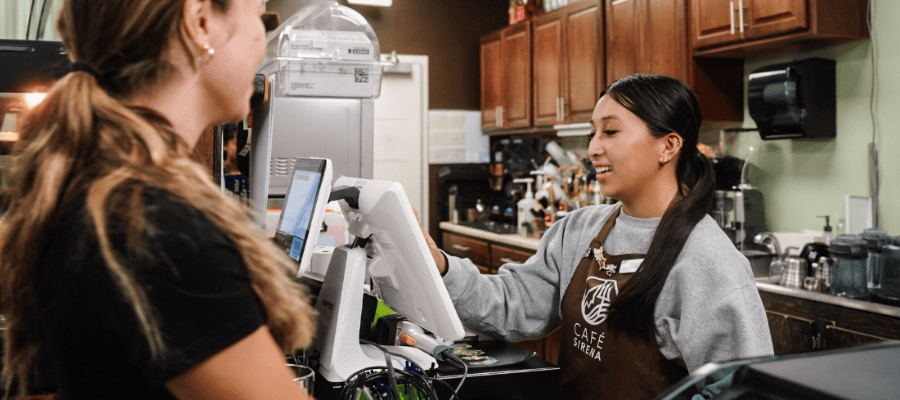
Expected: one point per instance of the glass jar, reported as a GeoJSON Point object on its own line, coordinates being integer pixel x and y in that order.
{"type": "Point", "coordinates": [849, 272]}
{"type": "Point", "coordinates": [889, 287]}
{"type": "Point", "coordinates": [875, 239]}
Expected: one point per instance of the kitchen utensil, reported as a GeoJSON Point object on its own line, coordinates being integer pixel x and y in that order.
{"type": "Point", "coordinates": [848, 274]}
{"type": "Point", "coordinates": [793, 269]}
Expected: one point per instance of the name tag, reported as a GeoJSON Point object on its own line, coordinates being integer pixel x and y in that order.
{"type": "Point", "coordinates": [630, 266]}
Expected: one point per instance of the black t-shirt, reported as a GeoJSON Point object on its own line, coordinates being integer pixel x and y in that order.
{"type": "Point", "coordinates": [196, 283]}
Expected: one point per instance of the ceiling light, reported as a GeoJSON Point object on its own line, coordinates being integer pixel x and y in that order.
{"type": "Point", "coordinates": [377, 3]}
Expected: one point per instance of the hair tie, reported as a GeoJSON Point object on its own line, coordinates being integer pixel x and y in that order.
{"type": "Point", "coordinates": [85, 67]}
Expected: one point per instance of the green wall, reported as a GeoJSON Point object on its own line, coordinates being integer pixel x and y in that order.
{"type": "Point", "coordinates": [801, 180]}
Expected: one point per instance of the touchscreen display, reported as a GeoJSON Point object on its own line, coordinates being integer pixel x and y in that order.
{"type": "Point", "coordinates": [299, 205]}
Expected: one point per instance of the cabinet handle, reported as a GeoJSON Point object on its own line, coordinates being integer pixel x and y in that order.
{"type": "Point", "coordinates": [507, 260]}
{"type": "Point", "coordinates": [557, 109]}
{"type": "Point", "coordinates": [562, 108]}
{"type": "Point", "coordinates": [731, 8]}
{"type": "Point", "coordinates": [837, 328]}
{"type": "Point", "coordinates": [741, 14]}
{"type": "Point", "coordinates": [460, 248]}
{"type": "Point", "coordinates": [788, 316]}
{"type": "Point", "coordinates": [501, 116]}
{"type": "Point", "coordinates": [497, 121]}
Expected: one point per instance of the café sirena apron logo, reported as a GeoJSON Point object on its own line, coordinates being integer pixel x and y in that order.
{"type": "Point", "coordinates": [596, 299]}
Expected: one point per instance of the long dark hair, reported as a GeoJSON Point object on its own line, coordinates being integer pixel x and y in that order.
{"type": "Point", "coordinates": [666, 105]}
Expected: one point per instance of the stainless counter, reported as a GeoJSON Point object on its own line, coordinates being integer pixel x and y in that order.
{"type": "Point", "coordinates": [511, 240]}
{"type": "Point", "coordinates": [769, 285]}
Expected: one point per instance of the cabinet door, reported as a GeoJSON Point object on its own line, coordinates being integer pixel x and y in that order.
{"type": "Point", "coordinates": [466, 247]}
{"type": "Point", "coordinates": [791, 334]}
{"type": "Point", "coordinates": [622, 38]}
{"type": "Point", "coordinates": [547, 64]}
{"type": "Point", "coordinates": [714, 22]}
{"type": "Point", "coordinates": [516, 53]}
{"type": "Point", "coordinates": [491, 81]}
{"type": "Point", "coordinates": [501, 254]}
{"type": "Point", "coordinates": [837, 337]}
{"type": "Point", "coordinates": [583, 78]}
{"type": "Point", "coordinates": [664, 39]}
{"type": "Point", "coordinates": [771, 17]}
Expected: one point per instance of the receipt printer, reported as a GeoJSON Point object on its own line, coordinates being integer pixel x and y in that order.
{"type": "Point", "coordinates": [794, 100]}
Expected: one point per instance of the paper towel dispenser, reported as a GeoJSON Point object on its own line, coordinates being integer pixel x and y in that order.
{"type": "Point", "coordinates": [794, 100]}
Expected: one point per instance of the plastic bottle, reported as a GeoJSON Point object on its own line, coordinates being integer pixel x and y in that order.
{"type": "Point", "coordinates": [827, 229]}
{"type": "Point", "coordinates": [524, 206]}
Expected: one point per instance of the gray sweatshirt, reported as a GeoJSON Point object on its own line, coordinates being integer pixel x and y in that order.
{"type": "Point", "coordinates": [708, 311]}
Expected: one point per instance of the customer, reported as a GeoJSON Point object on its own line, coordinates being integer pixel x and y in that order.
{"type": "Point", "coordinates": [120, 260]}
{"type": "Point", "coordinates": [644, 290]}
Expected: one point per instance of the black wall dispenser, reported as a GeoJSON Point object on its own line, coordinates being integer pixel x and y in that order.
{"type": "Point", "coordinates": [794, 100]}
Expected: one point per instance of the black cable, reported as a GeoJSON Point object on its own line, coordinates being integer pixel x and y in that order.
{"type": "Point", "coordinates": [366, 378]}
{"type": "Point", "coordinates": [447, 355]}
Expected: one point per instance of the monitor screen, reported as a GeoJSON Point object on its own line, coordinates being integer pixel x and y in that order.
{"type": "Point", "coordinates": [399, 263]}
{"type": "Point", "coordinates": [300, 221]}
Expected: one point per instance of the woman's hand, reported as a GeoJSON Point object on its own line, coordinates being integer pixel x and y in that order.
{"type": "Point", "coordinates": [439, 259]}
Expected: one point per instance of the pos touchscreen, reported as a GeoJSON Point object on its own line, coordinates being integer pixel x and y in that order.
{"type": "Point", "coordinates": [304, 206]}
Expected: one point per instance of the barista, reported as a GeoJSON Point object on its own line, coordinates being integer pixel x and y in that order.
{"type": "Point", "coordinates": [645, 290]}
{"type": "Point", "coordinates": [120, 260]}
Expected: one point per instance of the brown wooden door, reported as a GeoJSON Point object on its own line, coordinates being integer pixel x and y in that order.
{"type": "Point", "coordinates": [714, 22]}
{"type": "Point", "coordinates": [791, 334]}
{"type": "Point", "coordinates": [622, 38]}
{"type": "Point", "coordinates": [467, 247]}
{"type": "Point", "coordinates": [548, 66]}
{"type": "Point", "coordinates": [516, 50]}
{"type": "Point", "coordinates": [584, 63]}
{"type": "Point", "coordinates": [491, 81]}
{"type": "Point", "coordinates": [772, 17]}
{"type": "Point", "coordinates": [664, 39]}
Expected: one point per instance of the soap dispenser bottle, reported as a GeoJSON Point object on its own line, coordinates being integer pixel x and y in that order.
{"type": "Point", "coordinates": [827, 229]}
{"type": "Point", "coordinates": [524, 206]}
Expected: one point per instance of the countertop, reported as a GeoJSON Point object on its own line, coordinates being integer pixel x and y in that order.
{"type": "Point", "coordinates": [507, 239]}
{"type": "Point", "coordinates": [763, 284]}
{"type": "Point", "coordinates": [768, 285]}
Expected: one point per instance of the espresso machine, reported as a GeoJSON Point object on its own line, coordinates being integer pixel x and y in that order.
{"type": "Point", "coordinates": [740, 213]}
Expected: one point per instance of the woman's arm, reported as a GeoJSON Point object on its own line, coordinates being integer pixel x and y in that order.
{"type": "Point", "coordinates": [252, 368]}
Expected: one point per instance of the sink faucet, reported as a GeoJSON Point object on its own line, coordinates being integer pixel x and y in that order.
{"type": "Point", "coordinates": [770, 241]}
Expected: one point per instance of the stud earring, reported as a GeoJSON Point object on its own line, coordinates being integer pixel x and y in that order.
{"type": "Point", "coordinates": [209, 50]}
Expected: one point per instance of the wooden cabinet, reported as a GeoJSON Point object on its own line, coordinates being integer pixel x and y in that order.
{"type": "Point", "coordinates": [725, 21]}
{"type": "Point", "coordinates": [506, 78]}
{"type": "Point", "coordinates": [491, 83]}
{"type": "Point", "coordinates": [752, 28]}
{"type": "Point", "coordinates": [467, 247]}
{"type": "Point", "coordinates": [646, 36]}
{"type": "Point", "coordinates": [651, 36]}
{"type": "Point", "coordinates": [567, 62]}
{"type": "Point", "coordinates": [799, 325]}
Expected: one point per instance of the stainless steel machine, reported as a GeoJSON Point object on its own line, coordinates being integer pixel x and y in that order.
{"type": "Point", "coordinates": [324, 68]}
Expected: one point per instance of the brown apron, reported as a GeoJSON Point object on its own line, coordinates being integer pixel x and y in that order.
{"type": "Point", "coordinates": [598, 362]}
